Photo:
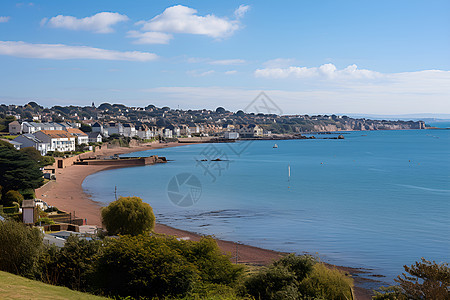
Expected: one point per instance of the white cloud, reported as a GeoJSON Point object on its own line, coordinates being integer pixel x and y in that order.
{"type": "Point", "coordinates": [227, 62]}
{"type": "Point", "coordinates": [326, 71]}
{"type": "Point", "coordinates": [183, 19]}
{"type": "Point", "coordinates": [99, 23]}
{"type": "Point", "coordinates": [231, 72]}
{"type": "Point", "coordinates": [4, 19]}
{"type": "Point", "coordinates": [151, 37]}
{"type": "Point", "coordinates": [197, 73]}
{"type": "Point", "coordinates": [60, 51]}
{"type": "Point", "coordinates": [241, 11]}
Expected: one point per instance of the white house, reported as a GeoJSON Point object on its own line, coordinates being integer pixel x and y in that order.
{"type": "Point", "coordinates": [129, 130]}
{"type": "Point", "coordinates": [168, 133]}
{"type": "Point", "coordinates": [113, 128]}
{"type": "Point", "coordinates": [229, 135]}
{"type": "Point", "coordinates": [81, 137]}
{"type": "Point", "coordinates": [58, 140]}
{"type": "Point", "coordinates": [29, 140]}
{"type": "Point", "coordinates": [95, 137]}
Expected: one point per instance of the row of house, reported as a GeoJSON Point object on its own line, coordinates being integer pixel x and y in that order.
{"type": "Point", "coordinates": [147, 132]}
{"type": "Point", "coordinates": [55, 140]}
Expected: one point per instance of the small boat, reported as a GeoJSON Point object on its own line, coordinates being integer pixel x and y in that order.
{"type": "Point", "coordinates": [275, 146]}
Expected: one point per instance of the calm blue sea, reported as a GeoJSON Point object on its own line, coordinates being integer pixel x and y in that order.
{"type": "Point", "coordinates": [375, 200]}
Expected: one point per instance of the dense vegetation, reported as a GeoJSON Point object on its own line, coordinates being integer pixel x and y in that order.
{"type": "Point", "coordinates": [20, 172]}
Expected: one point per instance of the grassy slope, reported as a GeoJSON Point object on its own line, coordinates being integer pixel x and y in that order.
{"type": "Point", "coordinates": [16, 287]}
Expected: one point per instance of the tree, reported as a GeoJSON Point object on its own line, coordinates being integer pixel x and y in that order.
{"type": "Point", "coordinates": [240, 113]}
{"type": "Point", "coordinates": [20, 247]}
{"type": "Point", "coordinates": [220, 110]}
{"type": "Point", "coordinates": [143, 266]}
{"type": "Point", "coordinates": [128, 215]}
{"type": "Point", "coordinates": [425, 280]}
{"type": "Point", "coordinates": [12, 196]}
{"type": "Point", "coordinates": [18, 171]}
{"type": "Point", "coordinates": [85, 128]}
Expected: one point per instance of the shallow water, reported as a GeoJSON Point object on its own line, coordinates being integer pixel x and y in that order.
{"type": "Point", "coordinates": [375, 200]}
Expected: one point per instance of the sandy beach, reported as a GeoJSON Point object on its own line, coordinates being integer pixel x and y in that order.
{"type": "Point", "coordinates": [66, 193]}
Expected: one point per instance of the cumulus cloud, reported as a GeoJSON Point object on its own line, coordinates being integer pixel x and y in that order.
{"type": "Point", "coordinates": [326, 71]}
{"type": "Point", "coordinates": [60, 52]}
{"type": "Point", "coordinates": [4, 19]}
{"type": "Point", "coordinates": [151, 37]}
{"type": "Point", "coordinates": [183, 19]}
{"type": "Point", "coordinates": [99, 23]}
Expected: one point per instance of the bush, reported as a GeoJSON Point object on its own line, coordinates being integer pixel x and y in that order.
{"type": "Point", "coordinates": [20, 247]}
{"type": "Point", "coordinates": [275, 282]}
{"type": "Point", "coordinates": [299, 277]}
{"type": "Point", "coordinates": [141, 266]}
{"type": "Point", "coordinates": [71, 266]}
{"type": "Point", "coordinates": [327, 283]}
{"type": "Point", "coordinates": [13, 196]}
{"type": "Point", "coordinates": [44, 221]}
{"type": "Point", "coordinates": [128, 215]}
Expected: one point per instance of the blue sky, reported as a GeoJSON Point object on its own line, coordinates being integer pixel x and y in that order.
{"type": "Point", "coordinates": [373, 57]}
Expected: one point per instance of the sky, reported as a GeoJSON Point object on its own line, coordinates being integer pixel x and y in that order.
{"type": "Point", "coordinates": [309, 57]}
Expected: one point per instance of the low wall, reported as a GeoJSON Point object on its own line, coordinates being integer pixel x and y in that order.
{"type": "Point", "coordinates": [139, 161]}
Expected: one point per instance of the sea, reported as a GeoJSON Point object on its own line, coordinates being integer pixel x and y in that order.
{"type": "Point", "coordinates": [375, 200]}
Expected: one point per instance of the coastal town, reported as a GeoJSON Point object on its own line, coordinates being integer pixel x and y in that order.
{"type": "Point", "coordinates": [62, 129]}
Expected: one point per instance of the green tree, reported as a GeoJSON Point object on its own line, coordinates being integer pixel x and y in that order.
{"type": "Point", "coordinates": [71, 266]}
{"type": "Point", "coordinates": [426, 280]}
{"type": "Point", "coordinates": [20, 247]}
{"type": "Point", "coordinates": [12, 196]}
{"type": "Point", "coordinates": [35, 155]}
{"type": "Point", "coordinates": [85, 128]}
{"type": "Point", "coordinates": [143, 266]}
{"type": "Point", "coordinates": [128, 215]}
{"type": "Point", "coordinates": [18, 170]}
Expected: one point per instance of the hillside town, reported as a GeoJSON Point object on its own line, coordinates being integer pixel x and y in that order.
{"type": "Point", "coordinates": [63, 128]}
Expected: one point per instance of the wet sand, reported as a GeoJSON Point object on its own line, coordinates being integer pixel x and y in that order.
{"type": "Point", "coordinates": [66, 193]}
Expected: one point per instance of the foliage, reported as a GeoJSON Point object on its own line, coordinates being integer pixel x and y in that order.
{"type": "Point", "coordinates": [35, 155]}
{"type": "Point", "coordinates": [389, 293]}
{"type": "Point", "coordinates": [85, 128]}
{"type": "Point", "coordinates": [275, 282]}
{"type": "Point", "coordinates": [20, 247]}
{"type": "Point", "coordinates": [327, 283]}
{"type": "Point", "coordinates": [12, 196]}
{"type": "Point", "coordinates": [128, 215]}
{"type": "Point", "coordinates": [28, 193]}
{"type": "Point", "coordinates": [298, 277]}
{"type": "Point", "coordinates": [426, 280]}
{"type": "Point", "coordinates": [144, 266]}
{"type": "Point", "coordinates": [44, 221]}
{"type": "Point", "coordinates": [4, 123]}
{"type": "Point", "coordinates": [18, 170]}
{"type": "Point", "coordinates": [71, 266]}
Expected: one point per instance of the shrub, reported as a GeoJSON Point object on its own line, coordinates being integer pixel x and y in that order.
{"type": "Point", "coordinates": [20, 247]}
{"type": "Point", "coordinates": [275, 282]}
{"type": "Point", "coordinates": [143, 266]}
{"type": "Point", "coordinates": [13, 196]}
{"type": "Point", "coordinates": [128, 215]}
{"type": "Point", "coordinates": [71, 266]}
{"type": "Point", "coordinates": [328, 283]}
{"type": "Point", "coordinates": [44, 221]}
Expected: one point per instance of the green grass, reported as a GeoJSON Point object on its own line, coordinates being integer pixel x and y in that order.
{"type": "Point", "coordinates": [9, 137]}
{"type": "Point", "coordinates": [16, 287]}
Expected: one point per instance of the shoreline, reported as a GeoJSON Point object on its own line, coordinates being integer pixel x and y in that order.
{"type": "Point", "coordinates": [66, 193]}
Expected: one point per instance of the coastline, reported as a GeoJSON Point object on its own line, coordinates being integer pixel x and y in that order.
{"type": "Point", "coordinates": [67, 194]}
